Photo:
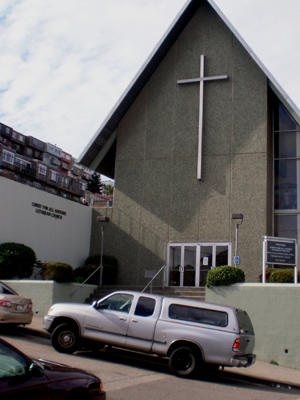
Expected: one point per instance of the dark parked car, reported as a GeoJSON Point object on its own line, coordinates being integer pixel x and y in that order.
{"type": "Point", "coordinates": [24, 378]}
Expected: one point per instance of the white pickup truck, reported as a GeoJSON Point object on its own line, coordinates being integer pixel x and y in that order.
{"type": "Point", "coordinates": [192, 334]}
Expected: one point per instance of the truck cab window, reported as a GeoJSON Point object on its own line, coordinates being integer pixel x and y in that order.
{"type": "Point", "coordinates": [145, 307]}
{"type": "Point", "coordinates": [117, 302]}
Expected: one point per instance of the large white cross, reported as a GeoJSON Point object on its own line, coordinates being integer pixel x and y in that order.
{"type": "Point", "coordinates": [201, 80]}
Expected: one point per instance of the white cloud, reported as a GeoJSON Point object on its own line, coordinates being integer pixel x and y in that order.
{"type": "Point", "coordinates": [64, 64]}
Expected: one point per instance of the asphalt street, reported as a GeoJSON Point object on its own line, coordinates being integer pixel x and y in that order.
{"type": "Point", "coordinates": [128, 375]}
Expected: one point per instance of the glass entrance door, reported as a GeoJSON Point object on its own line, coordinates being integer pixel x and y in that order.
{"type": "Point", "coordinates": [189, 263]}
{"type": "Point", "coordinates": [182, 265]}
{"type": "Point", "coordinates": [206, 256]}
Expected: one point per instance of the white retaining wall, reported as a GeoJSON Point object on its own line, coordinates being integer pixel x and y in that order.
{"type": "Point", "coordinates": [275, 313]}
{"type": "Point", "coordinates": [45, 293]}
{"type": "Point", "coordinates": [58, 230]}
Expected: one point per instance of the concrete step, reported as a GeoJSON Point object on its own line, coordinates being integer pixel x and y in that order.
{"type": "Point", "coordinates": [195, 293]}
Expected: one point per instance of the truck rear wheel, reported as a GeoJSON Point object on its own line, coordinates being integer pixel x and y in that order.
{"type": "Point", "coordinates": [182, 361]}
{"type": "Point", "coordinates": [65, 339]}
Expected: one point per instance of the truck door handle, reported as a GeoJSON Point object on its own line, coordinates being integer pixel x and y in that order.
{"type": "Point", "coordinates": [122, 318]}
{"type": "Point", "coordinates": [134, 320]}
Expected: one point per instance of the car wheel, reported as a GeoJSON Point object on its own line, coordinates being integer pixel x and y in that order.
{"type": "Point", "coordinates": [65, 339]}
{"type": "Point", "coordinates": [182, 361]}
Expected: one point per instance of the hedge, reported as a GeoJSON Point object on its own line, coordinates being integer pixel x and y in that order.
{"type": "Point", "coordinates": [224, 276]}
{"type": "Point", "coordinates": [109, 274]}
{"type": "Point", "coordinates": [16, 261]}
{"type": "Point", "coordinates": [283, 276]}
{"type": "Point", "coordinates": [58, 272]}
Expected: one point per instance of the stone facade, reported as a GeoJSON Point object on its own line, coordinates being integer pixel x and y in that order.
{"type": "Point", "coordinates": [158, 198]}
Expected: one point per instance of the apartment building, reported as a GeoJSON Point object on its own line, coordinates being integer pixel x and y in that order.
{"type": "Point", "coordinates": [44, 166]}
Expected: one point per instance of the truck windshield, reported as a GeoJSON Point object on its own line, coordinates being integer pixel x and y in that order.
{"type": "Point", "coordinates": [245, 324]}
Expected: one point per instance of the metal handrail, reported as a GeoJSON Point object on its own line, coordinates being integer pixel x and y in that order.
{"type": "Point", "coordinates": [152, 279]}
{"type": "Point", "coordinates": [78, 288]}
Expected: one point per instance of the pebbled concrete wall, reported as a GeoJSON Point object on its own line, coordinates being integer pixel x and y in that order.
{"type": "Point", "coordinates": [158, 198]}
{"type": "Point", "coordinates": [275, 316]}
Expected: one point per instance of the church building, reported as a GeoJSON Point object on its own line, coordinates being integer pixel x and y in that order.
{"type": "Point", "coordinates": [204, 140]}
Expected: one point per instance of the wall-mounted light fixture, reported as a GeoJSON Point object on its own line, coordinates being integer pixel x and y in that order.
{"type": "Point", "coordinates": [237, 219]}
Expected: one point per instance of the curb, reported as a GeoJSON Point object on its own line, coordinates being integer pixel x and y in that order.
{"type": "Point", "coordinates": [262, 381]}
{"type": "Point", "coordinates": [34, 332]}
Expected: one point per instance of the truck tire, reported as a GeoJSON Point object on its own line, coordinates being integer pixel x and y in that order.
{"type": "Point", "coordinates": [182, 361]}
{"type": "Point", "coordinates": [65, 339]}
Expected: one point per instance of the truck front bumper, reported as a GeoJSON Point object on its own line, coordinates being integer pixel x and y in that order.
{"type": "Point", "coordinates": [243, 361]}
{"type": "Point", "coordinates": [47, 322]}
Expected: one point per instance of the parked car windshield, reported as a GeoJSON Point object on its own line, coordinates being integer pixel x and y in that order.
{"type": "Point", "coordinates": [11, 362]}
{"type": "Point", "coordinates": [244, 322]}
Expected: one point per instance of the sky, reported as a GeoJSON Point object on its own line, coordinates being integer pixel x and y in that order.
{"type": "Point", "coordinates": [65, 63]}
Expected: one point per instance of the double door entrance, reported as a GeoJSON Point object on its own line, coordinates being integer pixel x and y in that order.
{"type": "Point", "coordinates": [189, 263]}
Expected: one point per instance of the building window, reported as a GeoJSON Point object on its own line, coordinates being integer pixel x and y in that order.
{"type": "Point", "coordinates": [53, 175]}
{"type": "Point", "coordinates": [67, 156]}
{"type": "Point", "coordinates": [82, 186]}
{"type": "Point", "coordinates": [8, 157]}
{"type": "Point", "coordinates": [22, 164]}
{"type": "Point", "coordinates": [29, 151]}
{"type": "Point", "coordinates": [286, 133]}
{"type": "Point", "coordinates": [37, 143]}
{"type": "Point", "coordinates": [65, 165]}
{"type": "Point", "coordinates": [42, 170]}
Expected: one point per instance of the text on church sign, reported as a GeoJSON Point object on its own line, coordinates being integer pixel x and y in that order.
{"type": "Point", "coordinates": [48, 211]}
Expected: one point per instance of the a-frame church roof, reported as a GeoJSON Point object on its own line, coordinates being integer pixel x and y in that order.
{"type": "Point", "coordinates": [99, 154]}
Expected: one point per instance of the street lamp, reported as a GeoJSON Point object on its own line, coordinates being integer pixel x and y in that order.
{"type": "Point", "coordinates": [237, 219]}
{"type": "Point", "coordinates": [102, 219]}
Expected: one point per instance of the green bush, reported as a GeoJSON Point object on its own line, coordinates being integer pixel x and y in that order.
{"type": "Point", "coordinates": [82, 273]}
{"type": "Point", "coordinates": [269, 271]}
{"type": "Point", "coordinates": [110, 269]}
{"type": "Point", "coordinates": [282, 275]}
{"type": "Point", "coordinates": [58, 272]}
{"type": "Point", "coordinates": [16, 261]}
{"type": "Point", "coordinates": [224, 276]}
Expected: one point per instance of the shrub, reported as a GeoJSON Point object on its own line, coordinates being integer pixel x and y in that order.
{"type": "Point", "coordinates": [110, 269]}
{"type": "Point", "coordinates": [58, 272]}
{"type": "Point", "coordinates": [224, 276]}
{"type": "Point", "coordinates": [283, 276]}
{"type": "Point", "coordinates": [16, 261]}
{"type": "Point", "coordinates": [82, 273]}
{"type": "Point", "coordinates": [269, 271]}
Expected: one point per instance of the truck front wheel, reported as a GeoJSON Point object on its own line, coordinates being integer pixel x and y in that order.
{"type": "Point", "coordinates": [65, 339]}
{"type": "Point", "coordinates": [182, 361]}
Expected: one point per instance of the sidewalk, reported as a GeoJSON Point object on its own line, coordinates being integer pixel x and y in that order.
{"type": "Point", "coordinates": [262, 371]}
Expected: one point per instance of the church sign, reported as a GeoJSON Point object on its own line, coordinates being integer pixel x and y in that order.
{"type": "Point", "coordinates": [279, 251]}
{"type": "Point", "coordinates": [48, 211]}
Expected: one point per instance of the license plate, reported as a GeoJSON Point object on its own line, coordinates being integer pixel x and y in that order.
{"type": "Point", "coordinates": [19, 307]}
